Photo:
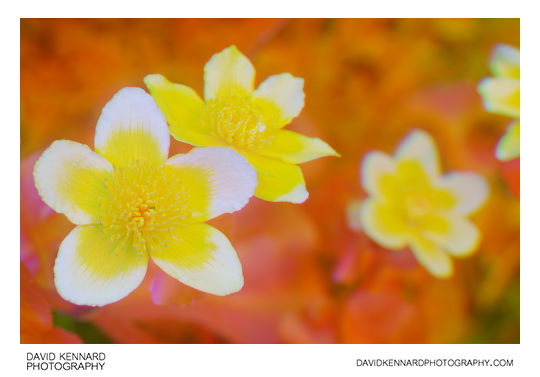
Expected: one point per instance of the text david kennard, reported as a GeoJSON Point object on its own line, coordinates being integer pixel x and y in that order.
{"type": "Point", "coordinates": [65, 360]}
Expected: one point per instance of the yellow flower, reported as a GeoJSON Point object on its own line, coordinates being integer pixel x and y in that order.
{"type": "Point", "coordinates": [246, 120]}
{"type": "Point", "coordinates": [130, 203]}
{"type": "Point", "coordinates": [501, 96]}
{"type": "Point", "coordinates": [411, 204]}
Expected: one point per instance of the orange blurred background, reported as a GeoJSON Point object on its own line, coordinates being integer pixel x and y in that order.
{"type": "Point", "coordinates": [308, 277]}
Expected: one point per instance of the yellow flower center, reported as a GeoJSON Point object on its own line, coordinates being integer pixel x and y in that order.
{"type": "Point", "coordinates": [417, 207]}
{"type": "Point", "coordinates": [416, 210]}
{"type": "Point", "coordinates": [413, 195]}
{"type": "Point", "coordinates": [143, 203]}
{"type": "Point", "coordinates": [235, 120]}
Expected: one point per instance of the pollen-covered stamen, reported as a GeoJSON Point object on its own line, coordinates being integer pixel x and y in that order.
{"type": "Point", "coordinates": [144, 202]}
{"type": "Point", "coordinates": [235, 120]}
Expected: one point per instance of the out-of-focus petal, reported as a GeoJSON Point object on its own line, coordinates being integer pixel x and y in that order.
{"type": "Point", "coordinates": [460, 238]}
{"type": "Point", "coordinates": [470, 191]}
{"type": "Point", "coordinates": [382, 225]}
{"type": "Point", "coordinates": [353, 214]}
{"type": "Point", "coordinates": [432, 257]}
{"type": "Point", "coordinates": [375, 165]}
{"type": "Point", "coordinates": [508, 146]}
{"type": "Point", "coordinates": [419, 146]}
{"type": "Point", "coordinates": [505, 61]}
{"type": "Point", "coordinates": [501, 96]}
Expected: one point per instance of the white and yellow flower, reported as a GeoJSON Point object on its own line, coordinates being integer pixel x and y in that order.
{"type": "Point", "coordinates": [246, 120]}
{"type": "Point", "coordinates": [501, 96]}
{"type": "Point", "coordinates": [411, 204]}
{"type": "Point", "coordinates": [130, 203]}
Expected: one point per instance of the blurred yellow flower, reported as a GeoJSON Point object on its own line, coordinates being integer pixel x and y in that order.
{"type": "Point", "coordinates": [246, 120]}
{"type": "Point", "coordinates": [130, 202]}
{"type": "Point", "coordinates": [411, 204]}
{"type": "Point", "coordinates": [501, 96]}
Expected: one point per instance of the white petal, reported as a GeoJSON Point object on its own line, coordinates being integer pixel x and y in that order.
{"type": "Point", "coordinates": [461, 238]}
{"type": "Point", "coordinates": [375, 165]}
{"type": "Point", "coordinates": [505, 61]}
{"type": "Point", "coordinates": [228, 73]}
{"type": "Point", "coordinates": [285, 92]}
{"type": "Point", "coordinates": [70, 178]}
{"type": "Point", "coordinates": [501, 95]}
{"type": "Point", "coordinates": [470, 191]}
{"type": "Point", "coordinates": [131, 126]}
{"type": "Point", "coordinates": [90, 269]}
{"type": "Point", "coordinates": [231, 178]}
{"type": "Point", "coordinates": [432, 257]}
{"type": "Point", "coordinates": [382, 225]}
{"type": "Point", "coordinates": [202, 257]}
{"type": "Point", "coordinates": [419, 146]}
{"type": "Point", "coordinates": [508, 146]}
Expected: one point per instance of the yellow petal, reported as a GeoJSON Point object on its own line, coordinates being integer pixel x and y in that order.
{"type": "Point", "coordinates": [382, 225]}
{"type": "Point", "coordinates": [419, 146]}
{"type": "Point", "coordinates": [295, 148]}
{"type": "Point", "coordinates": [280, 98]}
{"type": "Point", "coordinates": [93, 268]}
{"type": "Point", "coordinates": [376, 165]}
{"type": "Point", "coordinates": [131, 127]}
{"type": "Point", "coordinates": [228, 73]}
{"type": "Point", "coordinates": [429, 255]}
{"type": "Point", "coordinates": [278, 181]}
{"type": "Point", "coordinates": [505, 61]}
{"type": "Point", "coordinates": [216, 180]}
{"type": "Point", "coordinates": [202, 257]}
{"type": "Point", "coordinates": [183, 110]}
{"type": "Point", "coordinates": [412, 189]}
{"type": "Point", "coordinates": [460, 237]}
{"type": "Point", "coordinates": [501, 96]}
{"type": "Point", "coordinates": [71, 178]}
{"type": "Point", "coordinates": [469, 190]}
{"type": "Point", "coordinates": [508, 146]}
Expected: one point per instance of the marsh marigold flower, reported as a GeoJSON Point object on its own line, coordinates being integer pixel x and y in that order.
{"type": "Point", "coordinates": [501, 96]}
{"type": "Point", "coordinates": [246, 120]}
{"type": "Point", "coordinates": [130, 203]}
{"type": "Point", "coordinates": [411, 204]}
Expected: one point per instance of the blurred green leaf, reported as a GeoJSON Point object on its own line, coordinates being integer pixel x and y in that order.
{"type": "Point", "coordinates": [87, 331]}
